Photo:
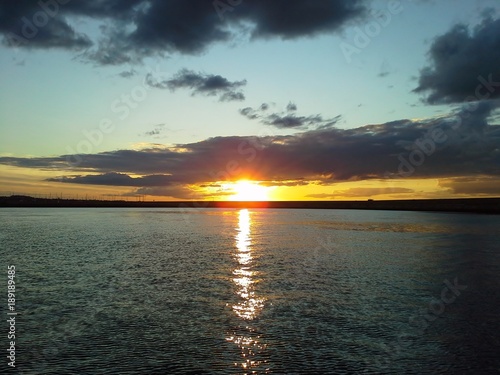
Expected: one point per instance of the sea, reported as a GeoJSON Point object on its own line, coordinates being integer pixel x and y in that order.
{"type": "Point", "coordinates": [250, 291]}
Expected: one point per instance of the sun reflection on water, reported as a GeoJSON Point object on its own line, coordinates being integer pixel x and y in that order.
{"type": "Point", "coordinates": [246, 338]}
{"type": "Point", "coordinates": [250, 305]}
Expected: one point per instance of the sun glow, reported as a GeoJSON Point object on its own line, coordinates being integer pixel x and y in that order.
{"type": "Point", "coordinates": [249, 191]}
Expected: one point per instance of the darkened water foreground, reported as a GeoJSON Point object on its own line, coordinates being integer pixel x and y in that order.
{"type": "Point", "coordinates": [221, 291]}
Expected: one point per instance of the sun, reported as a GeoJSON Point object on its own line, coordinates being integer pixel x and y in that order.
{"type": "Point", "coordinates": [249, 191]}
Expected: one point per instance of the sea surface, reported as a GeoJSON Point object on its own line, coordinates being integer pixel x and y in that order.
{"type": "Point", "coordinates": [266, 291]}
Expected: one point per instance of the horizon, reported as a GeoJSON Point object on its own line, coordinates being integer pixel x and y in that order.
{"type": "Point", "coordinates": [463, 205]}
{"type": "Point", "coordinates": [141, 199]}
{"type": "Point", "coordinates": [255, 101]}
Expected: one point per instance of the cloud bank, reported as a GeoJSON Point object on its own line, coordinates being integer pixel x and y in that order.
{"type": "Point", "coordinates": [133, 29]}
{"type": "Point", "coordinates": [462, 144]}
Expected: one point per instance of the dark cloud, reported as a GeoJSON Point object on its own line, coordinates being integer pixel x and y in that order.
{"type": "Point", "coordinates": [465, 65]}
{"type": "Point", "coordinates": [291, 107]}
{"type": "Point", "coordinates": [294, 19]}
{"type": "Point", "coordinates": [25, 24]}
{"type": "Point", "coordinates": [292, 121]}
{"type": "Point", "coordinates": [139, 28]}
{"type": "Point", "coordinates": [480, 185]}
{"type": "Point", "coordinates": [287, 119]}
{"type": "Point", "coordinates": [457, 145]}
{"type": "Point", "coordinates": [203, 84]}
{"type": "Point", "coordinates": [249, 113]}
{"type": "Point", "coordinates": [128, 73]}
{"type": "Point", "coordinates": [232, 96]}
{"type": "Point", "coordinates": [113, 48]}
{"type": "Point", "coordinates": [155, 131]}
{"type": "Point", "coordinates": [116, 179]}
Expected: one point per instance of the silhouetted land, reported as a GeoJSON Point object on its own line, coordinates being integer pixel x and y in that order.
{"type": "Point", "coordinates": [480, 205]}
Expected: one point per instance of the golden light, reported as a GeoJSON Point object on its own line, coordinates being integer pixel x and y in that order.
{"type": "Point", "coordinates": [250, 305]}
{"type": "Point", "coordinates": [249, 191]}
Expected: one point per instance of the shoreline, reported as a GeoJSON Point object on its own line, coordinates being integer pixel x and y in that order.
{"type": "Point", "coordinates": [473, 205]}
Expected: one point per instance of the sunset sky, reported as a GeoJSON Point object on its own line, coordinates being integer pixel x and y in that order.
{"type": "Point", "coordinates": [250, 99]}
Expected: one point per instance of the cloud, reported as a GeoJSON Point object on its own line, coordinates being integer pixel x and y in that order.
{"type": "Point", "coordinates": [479, 185]}
{"type": "Point", "coordinates": [386, 69]}
{"type": "Point", "coordinates": [288, 183]}
{"type": "Point", "coordinates": [464, 65]}
{"type": "Point", "coordinates": [139, 28]}
{"type": "Point", "coordinates": [128, 73]}
{"type": "Point", "coordinates": [25, 24]}
{"type": "Point", "coordinates": [362, 192]}
{"type": "Point", "coordinates": [156, 131]}
{"type": "Point", "coordinates": [116, 179]}
{"type": "Point", "coordinates": [287, 119]}
{"type": "Point", "coordinates": [294, 19]}
{"type": "Point", "coordinates": [291, 107]}
{"type": "Point", "coordinates": [292, 121]}
{"type": "Point", "coordinates": [203, 84]}
{"type": "Point", "coordinates": [249, 113]}
{"type": "Point", "coordinates": [468, 146]}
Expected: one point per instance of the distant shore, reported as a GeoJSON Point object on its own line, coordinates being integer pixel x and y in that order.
{"type": "Point", "coordinates": [479, 205]}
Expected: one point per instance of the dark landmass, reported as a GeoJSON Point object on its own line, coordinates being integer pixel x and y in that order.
{"type": "Point", "coordinates": [479, 205]}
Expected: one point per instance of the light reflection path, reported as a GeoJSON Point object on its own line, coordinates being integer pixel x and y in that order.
{"type": "Point", "coordinates": [250, 305]}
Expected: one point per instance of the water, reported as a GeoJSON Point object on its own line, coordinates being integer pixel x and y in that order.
{"type": "Point", "coordinates": [208, 291]}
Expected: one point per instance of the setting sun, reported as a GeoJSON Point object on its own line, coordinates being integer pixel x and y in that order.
{"type": "Point", "coordinates": [249, 191]}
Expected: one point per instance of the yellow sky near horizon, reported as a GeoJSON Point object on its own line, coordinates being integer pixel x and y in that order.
{"type": "Point", "coordinates": [24, 181]}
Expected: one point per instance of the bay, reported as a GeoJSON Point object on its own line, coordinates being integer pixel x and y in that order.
{"type": "Point", "coordinates": [227, 291]}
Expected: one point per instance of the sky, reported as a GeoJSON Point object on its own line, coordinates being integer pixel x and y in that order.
{"type": "Point", "coordinates": [250, 99]}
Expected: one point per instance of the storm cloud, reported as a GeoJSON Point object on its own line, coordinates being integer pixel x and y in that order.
{"type": "Point", "coordinates": [26, 24]}
{"type": "Point", "coordinates": [133, 29]}
{"type": "Point", "coordinates": [464, 65]}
